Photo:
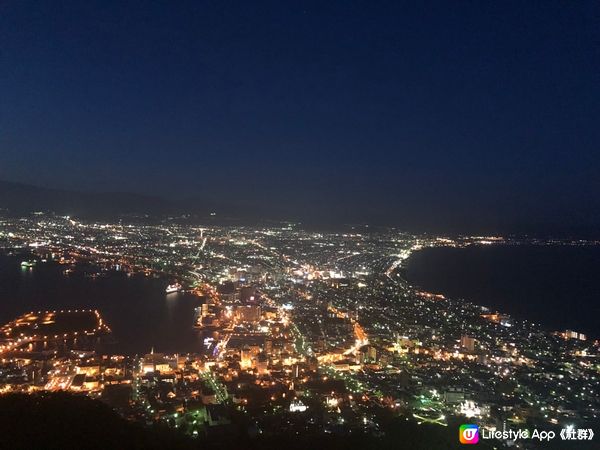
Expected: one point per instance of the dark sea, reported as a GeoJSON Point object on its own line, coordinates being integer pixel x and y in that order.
{"type": "Point", "coordinates": [555, 286]}
{"type": "Point", "coordinates": [136, 308]}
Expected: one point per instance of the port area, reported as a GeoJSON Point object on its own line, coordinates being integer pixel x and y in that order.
{"type": "Point", "coordinates": [41, 330]}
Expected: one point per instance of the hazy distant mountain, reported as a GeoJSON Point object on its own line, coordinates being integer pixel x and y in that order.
{"type": "Point", "coordinates": [19, 198]}
{"type": "Point", "coordinates": [23, 198]}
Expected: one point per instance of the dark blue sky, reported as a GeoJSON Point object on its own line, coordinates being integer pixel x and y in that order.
{"type": "Point", "coordinates": [422, 114]}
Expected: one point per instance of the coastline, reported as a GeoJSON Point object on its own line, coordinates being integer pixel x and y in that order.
{"type": "Point", "coordinates": [529, 282]}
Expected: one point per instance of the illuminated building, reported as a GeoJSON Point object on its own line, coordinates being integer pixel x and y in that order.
{"type": "Point", "coordinates": [467, 342]}
{"type": "Point", "coordinates": [155, 362]}
{"type": "Point", "coordinates": [262, 362]}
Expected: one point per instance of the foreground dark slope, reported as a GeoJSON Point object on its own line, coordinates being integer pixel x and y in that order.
{"type": "Point", "coordinates": [65, 421]}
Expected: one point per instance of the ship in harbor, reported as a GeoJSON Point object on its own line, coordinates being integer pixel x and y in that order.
{"type": "Point", "coordinates": [172, 288]}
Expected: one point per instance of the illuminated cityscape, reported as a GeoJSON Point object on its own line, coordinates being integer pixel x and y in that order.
{"type": "Point", "coordinates": [307, 225]}
{"type": "Point", "coordinates": [298, 331]}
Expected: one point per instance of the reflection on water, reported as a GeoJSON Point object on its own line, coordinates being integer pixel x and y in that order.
{"type": "Point", "coordinates": [136, 308]}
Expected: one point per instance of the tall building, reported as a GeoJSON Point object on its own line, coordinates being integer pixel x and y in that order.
{"type": "Point", "coordinates": [247, 294]}
{"type": "Point", "coordinates": [467, 342]}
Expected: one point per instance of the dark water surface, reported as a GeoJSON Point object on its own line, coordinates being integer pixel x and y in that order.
{"type": "Point", "coordinates": [136, 308]}
{"type": "Point", "coordinates": [556, 286]}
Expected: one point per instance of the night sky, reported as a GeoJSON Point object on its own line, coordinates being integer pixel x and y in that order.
{"type": "Point", "coordinates": [425, 115]}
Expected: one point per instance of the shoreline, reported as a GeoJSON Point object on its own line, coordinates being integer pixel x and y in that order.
{"type": "Point", "coordinates": [425, 276]}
